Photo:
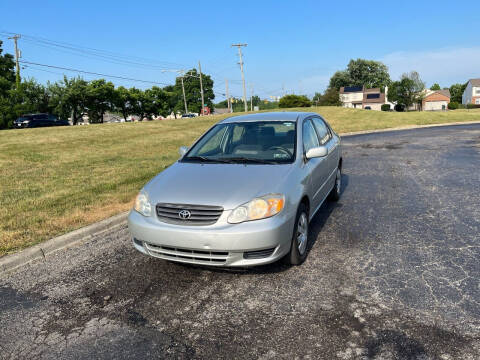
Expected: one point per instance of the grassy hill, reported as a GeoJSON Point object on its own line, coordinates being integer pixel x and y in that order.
{"type": "Point", "coordinates": [54, 180]}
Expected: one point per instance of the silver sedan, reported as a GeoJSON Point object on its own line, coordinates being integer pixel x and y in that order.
{"type": "Point", "coordinates": [243, 194]}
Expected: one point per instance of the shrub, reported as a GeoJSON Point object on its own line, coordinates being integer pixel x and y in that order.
{"type": "Point", "coordinates": [399, 108]}
{"type": "Point", "coordinates": [453, 105]}
{"type": "Point", "coordinates": [385, 107]}
{"type": "Point", "coordinates": [289, 101]}
{"type": "Point", "coordinates": [472, 106]}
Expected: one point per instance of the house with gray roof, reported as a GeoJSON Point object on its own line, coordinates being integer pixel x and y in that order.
{"type": "Point", "coordinates": [471, 95]}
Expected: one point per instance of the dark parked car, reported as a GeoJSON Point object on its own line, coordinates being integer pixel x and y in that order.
{"type": "Point", "coordinates": [38, 120]}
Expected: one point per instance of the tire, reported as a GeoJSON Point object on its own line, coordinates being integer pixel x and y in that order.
{"type": "Point", "coordinates": [299, 245]}
{"type": "Point", "coordinates": [337, 187]}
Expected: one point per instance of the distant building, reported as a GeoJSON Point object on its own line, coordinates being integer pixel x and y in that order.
{"type": "Point", "coordinates": [373, 99]}
{"type": "Point", "coordinates": [359, 97]}
{"type": "Point", "coordinates": [471, 95]}
{"type": "Point", "coordinates": [109, 117]}
{"type": "Point", "coordinates": [435, 100]}
{"type": "Point", "coordinates": [219, 111]}
{"type": "Point", "coordinates": [351, 96]}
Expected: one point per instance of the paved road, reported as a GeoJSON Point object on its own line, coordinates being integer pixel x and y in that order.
{"type": "Point", "coordinates": [393, 273]}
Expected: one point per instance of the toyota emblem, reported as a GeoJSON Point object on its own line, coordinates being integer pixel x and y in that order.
{"type": "Point", "coordinates": [184, 214]}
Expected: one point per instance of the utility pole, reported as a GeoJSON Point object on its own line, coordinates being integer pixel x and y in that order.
{"type": "Point", "coordinates": [201, 87]}
{"type": "Point", "coordinates": [17, 56]}
{"type": "Point", "coordinates": [251, 97]}
{"type": "Point", "coordinates": [182, 74]}
{"type": "Point", "coordinates": [184, 98]}
{"type": "Point", "coordinates": [228, 97]}
{"type": "Point", "coordinates": [239, 46]}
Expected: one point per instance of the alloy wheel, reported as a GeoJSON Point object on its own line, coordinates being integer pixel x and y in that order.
{"type": "Point", "coordinates": [302, 233]}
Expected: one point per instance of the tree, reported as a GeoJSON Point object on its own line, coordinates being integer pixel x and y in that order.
{"type": "Point", "coordinates": [408, 90]}
{"type": "Point", "coordinates": [158, 101]}
{"type": "Point", "coordinates": [289, 101]}
{"type": "Point", "coordinates": [456, 92]}
{"type": "Point", "coordinates": [7, 66]}
{"type": "Point", "coordinates": [368, 73]}
{"type": "Point", "coordinates": [331, 97]}
{"type": "Point", "coordinates": [123, 101]}
{"type": "Point", "coordinates": [99, 99]}
{"type": "Point", "coordinates": [191, 82]}
{"type": "Point", "coordinates": [7, 80]}
{"type": "Point", "coordinates": [34, 97]}
{"type": "Point", "coordinates": [361, 72]}
{"type": "Point", "coordinates": [29, 97]}
{"type": "Point", "coordinates": [452, 105]}
{"type": "Point", "coordinates": [339, 79]}
{"type": "Point", "coordinates": [172, 98]}
{"type": "Point", "coordinates": [435, 87]}
{"type": "Point", "coordinates": [72, 97]}
{"type": "Point", "coordinates": [137, 98]}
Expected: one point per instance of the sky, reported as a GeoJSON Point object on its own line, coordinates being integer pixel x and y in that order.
{"type": "Point", "coordinates": [293, 46]}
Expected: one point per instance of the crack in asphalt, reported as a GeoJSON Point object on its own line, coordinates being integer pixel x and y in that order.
{"type": "Point", "coordinates": [392, 273]}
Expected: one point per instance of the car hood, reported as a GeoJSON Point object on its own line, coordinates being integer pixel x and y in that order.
{"type": "Point", "coordinates": [227, 185]}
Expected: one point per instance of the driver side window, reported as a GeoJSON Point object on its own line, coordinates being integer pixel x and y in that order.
{"type": "Point", "coordinates": [211, 144]}
{"type": "Point", "coordinates": [310, 139]}
{"type": "Point", "coordinates": [322, 130]}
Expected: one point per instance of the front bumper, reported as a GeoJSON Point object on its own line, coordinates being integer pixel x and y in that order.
{"type": "Point", "coordinates": [221, 244]}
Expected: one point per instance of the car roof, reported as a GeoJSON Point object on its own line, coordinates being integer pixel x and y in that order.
{"type": "Point", "coordinates": [269, 116]}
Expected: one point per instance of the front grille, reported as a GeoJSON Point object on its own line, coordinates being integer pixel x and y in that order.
{"type": "Point", "coordinates": [187, 255]}
{"type": "Point", "coordinates": [199, 214]}
{"type": "Point", "coordinates": [258, 254]}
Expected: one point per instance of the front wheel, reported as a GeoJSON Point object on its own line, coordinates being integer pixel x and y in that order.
{"type": "Point", "coordinates": [298, 249]}
{"type": "Point", "coordinates": [337, 187]}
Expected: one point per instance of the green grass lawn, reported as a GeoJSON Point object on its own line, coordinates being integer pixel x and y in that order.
{"type": "Point", "coordinates": [54, 180]}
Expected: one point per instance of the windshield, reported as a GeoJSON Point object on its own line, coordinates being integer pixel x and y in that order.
{"type": "Point", "coordinates": [23, 118]}
{"type": "Point", "coordinates": [254, 142]}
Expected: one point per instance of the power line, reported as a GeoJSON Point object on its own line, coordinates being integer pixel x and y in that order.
{"type": "Point", "coordinates": [94, 73]}
{"type": "Point", "coordinates": [104, 54]}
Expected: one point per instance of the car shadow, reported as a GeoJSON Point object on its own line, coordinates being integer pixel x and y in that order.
{"type": "Point", "coordinates": [316, 225]}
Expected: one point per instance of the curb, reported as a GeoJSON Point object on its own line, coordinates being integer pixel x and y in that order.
{"type": "Point", "coordinates": [408, 127]}
{"type": "Point", "coordinates": [82, 235]}
{"type": "Point", "coordinates": [76, 237]}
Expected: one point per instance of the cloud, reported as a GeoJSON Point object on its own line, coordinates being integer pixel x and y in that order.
{"type": "Point", "coordinates": [444, 66]}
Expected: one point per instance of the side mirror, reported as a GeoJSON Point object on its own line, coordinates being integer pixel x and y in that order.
{"type": "Point", "coordinates": [316, 152]}
{"type": "Point", "coordinates": [183, 150]}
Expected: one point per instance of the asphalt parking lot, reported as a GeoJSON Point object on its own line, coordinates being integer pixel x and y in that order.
{"type": "Point", "coordinates": [393, 273]}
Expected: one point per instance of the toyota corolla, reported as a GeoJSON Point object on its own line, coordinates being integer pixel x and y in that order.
{"type": "Point", "coordinates": [243, 194]}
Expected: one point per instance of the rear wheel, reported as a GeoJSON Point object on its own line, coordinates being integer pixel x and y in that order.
{"type": "Point", "coordinates": [298, 248]}
{"type": "Point", "coordinates": [337, 187]}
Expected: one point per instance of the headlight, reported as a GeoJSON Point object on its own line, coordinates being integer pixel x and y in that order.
{"type": "Point", "coordinates": [259, 208]}
{"type": "Point", "coordinates": [142, 204]}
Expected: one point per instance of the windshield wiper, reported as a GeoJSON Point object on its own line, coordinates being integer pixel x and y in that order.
{"type": "Point", "coordinates": [231, 160]}
{"type": "Point", "coordinates": [249, 160]}
{"type": "Point", "coordinates": [205, 159]}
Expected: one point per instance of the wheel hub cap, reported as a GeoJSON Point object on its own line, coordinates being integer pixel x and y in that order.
{"type": "Point", "coordinates": [302, 233]}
